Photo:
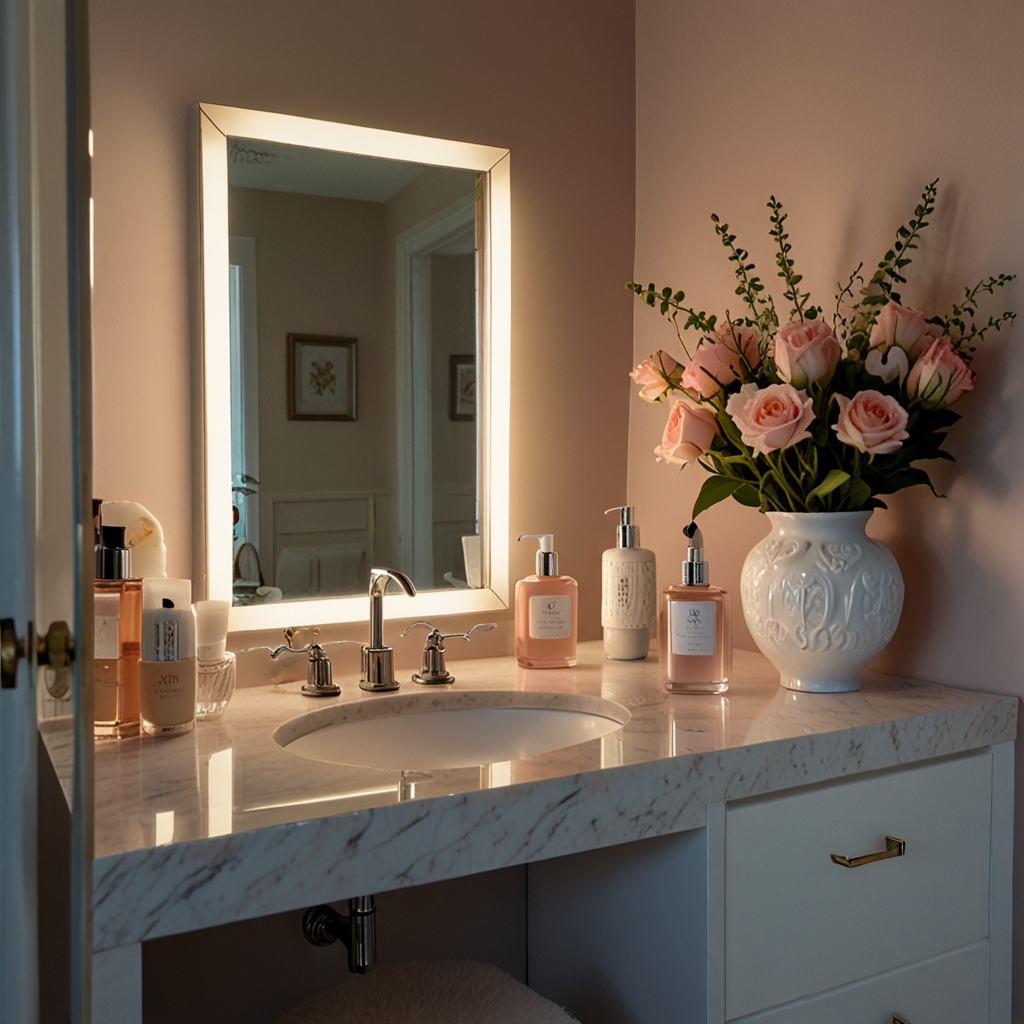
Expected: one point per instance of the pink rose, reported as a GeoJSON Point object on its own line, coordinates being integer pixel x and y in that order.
{"type": "Point", "coordinates": [871, 422]}
{"type": "Point", "coordinates": [656, 376]}
{"type": "Point", "coordinates": [939, 377]}
{"type": "Point", "coordinates": [771, 418]}
{"type": "Point", "coordinates": [903, 327]}
{"type": "Point", "coordinates": [688, 433]}
{"type": "Point", "coordinates": [806, 352]}
{"type": "Point", "coordinates": [721, 358]}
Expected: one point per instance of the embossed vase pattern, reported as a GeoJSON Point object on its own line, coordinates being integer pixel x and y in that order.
{"type": "Point", "coordinates": [821, 598]}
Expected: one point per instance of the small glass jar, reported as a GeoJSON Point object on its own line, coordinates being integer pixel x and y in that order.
{"type": "Point", "coordinates": [215, 685]}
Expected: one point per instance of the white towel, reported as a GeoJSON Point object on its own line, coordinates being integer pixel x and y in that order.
{"type": "Point", "coordinates": [438, 992]}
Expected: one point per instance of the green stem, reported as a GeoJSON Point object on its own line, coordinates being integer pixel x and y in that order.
{"type": "Point", "coordinates": [780, 477]}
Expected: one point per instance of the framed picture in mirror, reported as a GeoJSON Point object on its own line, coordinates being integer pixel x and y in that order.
{"type": "Point", "coordinates": [321, 377]}
{"type": "Point", "coordinates": [462, 388]}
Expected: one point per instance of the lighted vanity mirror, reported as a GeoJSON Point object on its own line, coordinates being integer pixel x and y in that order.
{"type": "Point", "coordinates": [355, 352]}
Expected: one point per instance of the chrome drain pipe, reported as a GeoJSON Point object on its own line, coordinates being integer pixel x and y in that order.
{"type": "Point", "coordinates": [323, 925]}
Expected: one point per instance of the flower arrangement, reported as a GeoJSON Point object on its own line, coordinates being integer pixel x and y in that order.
{"type": "Point", "coordinates": [805, 416]}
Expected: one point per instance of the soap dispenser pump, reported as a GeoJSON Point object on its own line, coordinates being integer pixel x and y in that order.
{"type": "Point", "coordinates": [628, 592]}
{"type": "Point", "coordinates": [546, 611]}
{"type": "Point", "coordinates": [695, 627]}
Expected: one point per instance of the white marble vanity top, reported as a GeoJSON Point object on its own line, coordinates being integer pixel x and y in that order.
{"type": "Point", "coordinates": [224, 824]}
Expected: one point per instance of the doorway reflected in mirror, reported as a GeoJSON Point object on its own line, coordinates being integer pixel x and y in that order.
{"type": "Point", "coordinates": [338, 465]}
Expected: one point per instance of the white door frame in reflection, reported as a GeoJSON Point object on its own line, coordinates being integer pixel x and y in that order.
{"type": "Point", "coordinates": [212, 541]}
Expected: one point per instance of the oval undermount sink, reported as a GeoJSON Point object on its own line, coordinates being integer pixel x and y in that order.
{"type": "Point", "coordinates": [451, 729]}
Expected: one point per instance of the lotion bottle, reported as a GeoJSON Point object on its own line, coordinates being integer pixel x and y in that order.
{"type": "Point", "coordinates": [628, 592]}
{"type": "Point", "coordinates": [695, 627]}
{"type": "Point", "coordinates": [117, 638]}
{"type": "Point", "coordinates": [167, 674]}
{"type": "Point", "coordinates": [546, 612]}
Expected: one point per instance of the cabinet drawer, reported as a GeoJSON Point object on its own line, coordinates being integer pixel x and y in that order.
{"type": "Point", "coordinates": [797, 924]}
{"type": "Point", "coordinates": [950, 989]}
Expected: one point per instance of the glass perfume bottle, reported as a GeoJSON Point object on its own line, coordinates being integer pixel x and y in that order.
{"type": "Point", "coordinates": [695, 628]}
{"type": "Point", "coordinates": [546, 612]}
{"type": "Point", "coordinates": [118, 638]}
{"type": "Point", "coordinates": [216, 664]}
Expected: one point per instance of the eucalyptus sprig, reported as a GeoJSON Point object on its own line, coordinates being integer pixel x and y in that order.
{"type": "Point", "coordinates": [960, 324]}
{"type": "Point", "coordinates": [840, 324]}
{"type": "Point", "coordinates": [879, 289]}
{"type": "Point", "coordinates": [750, 287]}
{"type": "Point", "coordinates": [670, 304]}
{"type": "Point", "coordinates": [786, 271]}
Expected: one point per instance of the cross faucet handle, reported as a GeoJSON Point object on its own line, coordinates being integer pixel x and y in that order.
{"type": "Point", "coordinates": [291, 631]}
{"type": "Point", "coordinates": [433, 670]}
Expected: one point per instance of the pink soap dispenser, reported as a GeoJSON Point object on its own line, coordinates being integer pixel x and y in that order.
{"type": "Point", "coordinates": [695, 627]}
{"type": "Point", "coordinates": [546, 612]}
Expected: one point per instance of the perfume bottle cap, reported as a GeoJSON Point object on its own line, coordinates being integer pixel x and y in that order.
{"type": "Point", "coordinates": [113, 559]}
{"type": "Point", "coordinates": [627, 535]}
{"type": "Point", "coordinates": [695, 569]}
{"type": "Point", "coordinates": [547, 557]}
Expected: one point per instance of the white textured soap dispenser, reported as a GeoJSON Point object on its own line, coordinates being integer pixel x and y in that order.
{"type": "Point", "coordinates": [629, 595]}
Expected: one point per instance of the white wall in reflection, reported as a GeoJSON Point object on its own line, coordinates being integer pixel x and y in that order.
{"type": "Point", "coordinates": [164, 827]}
{"type": "Point", "coordinates": [220, 801]}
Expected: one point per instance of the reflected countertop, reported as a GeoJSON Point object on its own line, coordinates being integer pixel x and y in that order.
{"type": "Point", "coordinates": [223, 824]}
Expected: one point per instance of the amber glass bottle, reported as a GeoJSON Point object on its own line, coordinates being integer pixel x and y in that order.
{"type": "Point", "coordinates": [118, 638]}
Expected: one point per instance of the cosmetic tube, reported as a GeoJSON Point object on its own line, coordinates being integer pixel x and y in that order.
{"type": "Point", "coordinates": [167, 677]}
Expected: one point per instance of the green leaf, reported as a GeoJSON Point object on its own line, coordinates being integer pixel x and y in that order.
{"type": "Point", "coordinates": [748, 495]}
{"type": "Point", "coordinates": [715, 489]}
{"type": "Point", "coordinates": [836, 478]}
{"type": "Point", "coordinates": [909, 477]}
{"type": "Point", "coordinates": [859, 492]}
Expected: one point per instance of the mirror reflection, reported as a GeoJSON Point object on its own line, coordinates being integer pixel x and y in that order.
{"type": "Point", "coordinates": [354, 318]}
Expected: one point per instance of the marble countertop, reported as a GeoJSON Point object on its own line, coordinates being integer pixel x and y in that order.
{"type": "Point", "coordinates": [223, 824]}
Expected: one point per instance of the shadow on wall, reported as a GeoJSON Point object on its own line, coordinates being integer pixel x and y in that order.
{"type": "Point", "coordinates": [947, 547]}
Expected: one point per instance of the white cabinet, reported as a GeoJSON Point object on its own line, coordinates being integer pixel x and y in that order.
{"type": "Point", "coordinates": [947, 989]}
{"type": "Point", "coordinates": [798, 923]}
{"type": "Point", "coordinates": [750, 920]}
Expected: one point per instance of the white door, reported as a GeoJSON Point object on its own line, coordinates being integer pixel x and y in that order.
{"type": "Point", "coordinates": [44, 478]}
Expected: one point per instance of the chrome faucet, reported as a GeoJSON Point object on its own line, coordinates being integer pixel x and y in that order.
{"type": "Point", "coordinates": [378, 661]}
{"type": "Point", "coordinates": [318, 675]}
{"type": "Point", "coordinates": [433, 671]}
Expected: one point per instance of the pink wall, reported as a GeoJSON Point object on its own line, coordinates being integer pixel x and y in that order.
{"type": "Point", "coordinates": [551, 81]}
{"type": "Point", "coordinates": [845, 111]}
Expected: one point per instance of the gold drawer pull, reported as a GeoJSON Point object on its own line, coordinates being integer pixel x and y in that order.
{"type": "Point", "coordinates": [893, 848]}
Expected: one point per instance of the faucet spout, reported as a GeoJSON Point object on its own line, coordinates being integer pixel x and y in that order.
{"type": "Point", "coordinates": [379, 580]}
{"type": "Point", "coordinates": [378, 665]}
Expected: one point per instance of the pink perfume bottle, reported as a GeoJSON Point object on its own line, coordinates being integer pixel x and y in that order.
{"type": "Point", "coordinates": [546, 612]}
{"type": "Point", "coordinates": [695, 628]}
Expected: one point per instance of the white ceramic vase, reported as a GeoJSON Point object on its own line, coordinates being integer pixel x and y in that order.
{"type": "Point", "coordinates": [821, 598]}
